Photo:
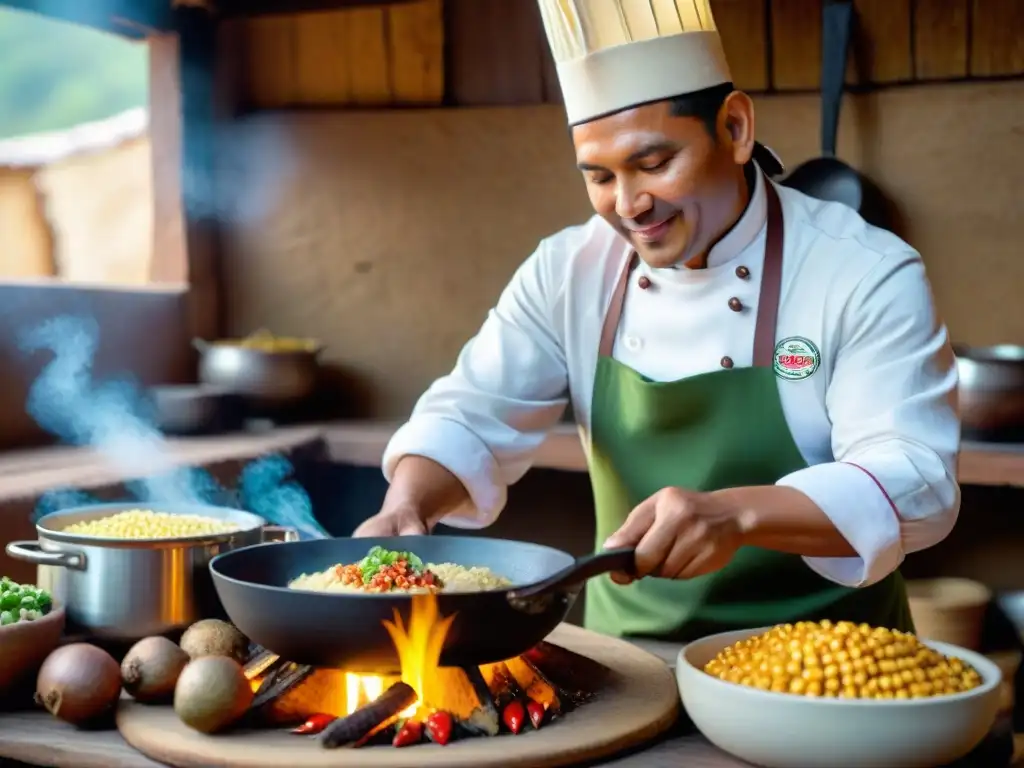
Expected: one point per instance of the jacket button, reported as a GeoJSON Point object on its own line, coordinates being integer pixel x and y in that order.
{"type": "Point", "coordinates": [644, 282]}
{"type": "Point", "coordinates": [742, 273]}
{"type": "Point", "coordinates": [727, 362]}
{"type": "Point", "coordinates": [735, 304]}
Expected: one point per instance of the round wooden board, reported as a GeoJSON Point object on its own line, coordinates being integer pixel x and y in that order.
{"type": "Point", "coordinates": [640, 703]}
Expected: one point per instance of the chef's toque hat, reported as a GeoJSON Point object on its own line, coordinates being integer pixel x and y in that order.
{"type": "Point", "coordinates": [616, 54]}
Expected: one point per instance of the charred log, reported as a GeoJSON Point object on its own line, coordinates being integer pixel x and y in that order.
{"type": "Point", "coordinates": [363, 724]}
{"type": "Point", "coordinates": [576, 678]}
{"type": "Point", "coordinates": [502, 685]}
{"type": "Point", "coordinates": [485, 718]}
{"type": "Point", "coordinates": [273, 687]}
{"type": "Point", "coordinates": [261, 664]}
{"type": "Point", "coordinates": [536, 685]}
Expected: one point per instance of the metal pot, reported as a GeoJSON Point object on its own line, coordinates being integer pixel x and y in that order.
{"type": "Point", "coordinates": [127, 589]}
{"type": "Point", "coordinates": [271, 379]}
{"type": "Point", "coordinates": [188, 409]}
{"type": "Point", "coordinates": [991, 392]}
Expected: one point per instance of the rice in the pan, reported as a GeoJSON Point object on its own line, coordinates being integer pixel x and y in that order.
{"type": "Point", "coordinates": [385, 571]}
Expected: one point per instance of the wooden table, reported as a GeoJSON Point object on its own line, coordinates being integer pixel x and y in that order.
{"type": "Point", "coordinates": [36, 739]}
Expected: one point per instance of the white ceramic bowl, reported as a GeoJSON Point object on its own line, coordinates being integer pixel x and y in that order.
{"type": "Point", "coordinates": [779, 730]}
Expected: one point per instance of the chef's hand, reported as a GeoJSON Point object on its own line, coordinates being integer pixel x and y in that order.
{"type": "Point", "coordinates": [396, 520]}
{"type": "Point", "coordinates": [679, 534]}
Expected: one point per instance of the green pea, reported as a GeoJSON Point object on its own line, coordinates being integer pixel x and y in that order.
{"type": "Point", "coordinates": [10, 601]}
{"type": "Point", "coordinates": [28, 602]}
{"type": "Point", "coordinates": [6, 617]}
{"type": "Point", "coordinates": [43, 599]}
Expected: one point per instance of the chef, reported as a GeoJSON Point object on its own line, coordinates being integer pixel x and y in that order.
{"type": "Point", "coordinates": [765, 393]}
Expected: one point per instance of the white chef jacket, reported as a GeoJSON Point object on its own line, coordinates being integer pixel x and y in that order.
{"type": "Point", "coordinates": [877, 422]}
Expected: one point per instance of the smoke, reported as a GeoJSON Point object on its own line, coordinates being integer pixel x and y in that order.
{"type": "Point", "coordinates": [115, 418]}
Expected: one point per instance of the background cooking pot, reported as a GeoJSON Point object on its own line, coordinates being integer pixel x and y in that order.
{"type": "Point", "coordinates": [127, 589]}
{"type": "Point", "coordinates": [991, 392]}
{"type": "Point", "coordinates": [262, 374]}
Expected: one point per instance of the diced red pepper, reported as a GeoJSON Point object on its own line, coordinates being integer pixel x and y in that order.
{"type": "Point", "coordinates": [514, 716]}
{"type": "Point", "coordinates": [439, 727]}
{"type": "Point", "coordinates": [315, 724]}
{"type": "Point", "coordinates": [411, 732]}
{"type": "Point", "coordinates": [536, 711]}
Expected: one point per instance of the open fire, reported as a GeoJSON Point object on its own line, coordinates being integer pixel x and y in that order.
{"type": "Point", "coordinates": [426, 701]}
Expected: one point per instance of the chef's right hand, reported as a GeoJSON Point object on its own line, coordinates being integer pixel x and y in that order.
{"type": "Point", "coordinates": [394, 521]}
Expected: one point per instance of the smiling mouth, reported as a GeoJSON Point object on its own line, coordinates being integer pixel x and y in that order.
{"type": "Point", "coordinates": [654, 232]}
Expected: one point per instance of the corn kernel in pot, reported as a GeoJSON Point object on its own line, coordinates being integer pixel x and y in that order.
{"type": "Point", "coordinates": [147, 524]}
{"type": "Point", "coordinates": [842, 660]}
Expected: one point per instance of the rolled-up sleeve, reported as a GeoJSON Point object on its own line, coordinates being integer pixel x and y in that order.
{"type": "Point", "coordinates": [485, 420]}
{"type": "Point", "coordinates": [895, 429]}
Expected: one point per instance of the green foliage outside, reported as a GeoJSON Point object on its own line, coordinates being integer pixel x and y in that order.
{"type": "Point", "coordinates": [54, 75]}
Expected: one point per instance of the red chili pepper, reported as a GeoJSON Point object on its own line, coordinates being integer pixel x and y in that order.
{"type": "Point", "coordinates": [411, 732]}
{"type": "Point", "coordinates": [514, 716]}
{"type": "Point", "coordinates": [315, 724]}
{"type": "Point", "coordinates": [536, 711]}
{"type": "Point", "coordinates": [439, 727]}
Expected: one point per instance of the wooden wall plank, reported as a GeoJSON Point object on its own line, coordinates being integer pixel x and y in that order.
{"type": "Point", "coordinates": [549, 73]}
{"type": "Point", "coordinates": [997, 38]}
{"type": "Point", "coordinates": [881, 49]}
{"type": "Point", "coordinates": [796, 44]}
{"type": "Point", "coordinates": [497, 52]}
{"type": "Point", "coordinates": [743, 25]}
{"type": "Point", "coordinates": [322, 73]}
{"type": "Point", "coordinates": [270, 61]}
{"type": "Point", "coordinates": [366, 50]}
{"type": "Point", "coordinates": [416, 52]}
{"type": "Point", "coordinates": [941, 32]}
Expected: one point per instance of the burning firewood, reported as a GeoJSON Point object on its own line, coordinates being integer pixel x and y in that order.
{"type": "Point", "coordinates": [484, 719]}
{"type": "Point", "coordinates": [576, 678]}
{"type": "Point", "coordinates": [361, 725]}
{"type": "Point", "coordinates": [502, 684]}
{"type": "Point", "coordinates": [261, 662]}
{"type": "Point", "coordinates": [272, 687]}
{"type": "Point", "coordinates": [535, 685]}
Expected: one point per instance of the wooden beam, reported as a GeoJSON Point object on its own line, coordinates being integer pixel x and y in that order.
{"type": "Point", "coordinates": [137, 19]}
{"type": "Point", "coordinates": [197, 45]}
{"type": "Point", "coordinates": [234, 8]}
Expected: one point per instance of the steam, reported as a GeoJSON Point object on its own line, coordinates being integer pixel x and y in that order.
{"type": "Point", "coordinates": [115, 418]}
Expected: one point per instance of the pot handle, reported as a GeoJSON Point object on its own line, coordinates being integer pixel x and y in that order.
{"type": "Point", "coordinates": [278, 533]}
{"type": "Point", "coordinates": [33, 552]}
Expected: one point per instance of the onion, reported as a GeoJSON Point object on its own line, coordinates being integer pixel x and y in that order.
{"type": "Point", "coordinates": [79, 683]}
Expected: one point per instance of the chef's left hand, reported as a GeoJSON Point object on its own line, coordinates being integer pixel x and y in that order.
{"type": "Point", "coordinates": [679, 534]}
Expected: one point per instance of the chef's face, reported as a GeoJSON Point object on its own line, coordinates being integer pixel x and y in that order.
{"type": "Point", "coordinates": [668, 184]}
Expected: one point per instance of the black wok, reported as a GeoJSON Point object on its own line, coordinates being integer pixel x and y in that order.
{"type": "Point", "coordinates": [345, 630]}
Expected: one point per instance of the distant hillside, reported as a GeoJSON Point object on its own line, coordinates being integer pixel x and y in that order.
{"type": "Point", "coordinates": [54, 74]}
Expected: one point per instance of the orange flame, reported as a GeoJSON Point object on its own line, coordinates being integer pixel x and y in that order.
{"type": "Point", "coordinates": [419, 647]}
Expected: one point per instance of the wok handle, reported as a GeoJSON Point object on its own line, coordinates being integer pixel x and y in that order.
{"type": "Point", "coordinates": [836, 27]}
{"type": "Point", "coordinates": [583, 569]}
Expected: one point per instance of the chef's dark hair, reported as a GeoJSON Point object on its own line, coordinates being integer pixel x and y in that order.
{"type": "Point", "coordinates": [703, 105]}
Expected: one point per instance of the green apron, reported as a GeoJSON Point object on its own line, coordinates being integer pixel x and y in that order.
{"type": "Point", "coordinates": [722, 429]}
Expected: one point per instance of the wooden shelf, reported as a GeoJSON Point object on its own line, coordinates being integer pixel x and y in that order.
{"type": "Point", "coordinates": [26, 474]}
{"type": "Point", "coordinates": [363, 443]}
